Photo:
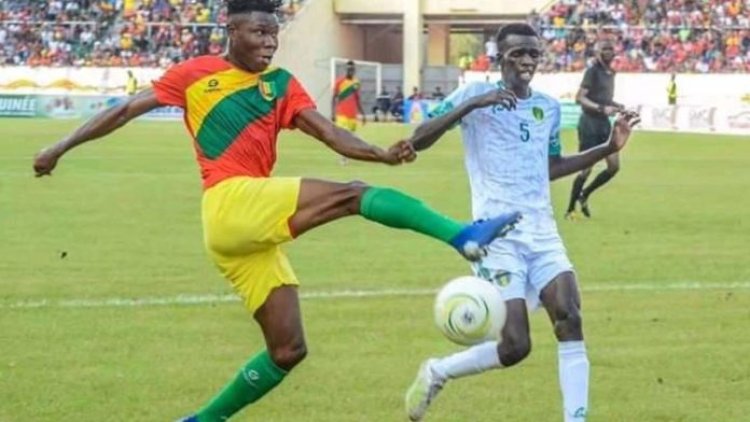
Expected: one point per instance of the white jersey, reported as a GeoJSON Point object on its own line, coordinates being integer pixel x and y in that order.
{"type": "Point", "coordinates": [506, 158]}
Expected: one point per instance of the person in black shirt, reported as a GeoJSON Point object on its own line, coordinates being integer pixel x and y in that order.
{"type": "Point", "coordinates": [438, 94]}
{"type": "Point", "coordinates": [382, 106]}
{"type": "Point", "coordinates": [596, 99]}
{"type": "Point", "coordinates": [397, 104]}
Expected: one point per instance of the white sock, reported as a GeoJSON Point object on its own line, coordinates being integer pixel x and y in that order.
{"type": "Point", "coordinates": [574, 379]}
{"type": "Point", "coordinates": [473, 360]}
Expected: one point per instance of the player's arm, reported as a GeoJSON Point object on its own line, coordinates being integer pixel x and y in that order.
{"type": "Point", "coordinates": [560, 166]}
{"type": "Point", "coordinates": [349, 145]}
{"type": "Point", "coordinates": [98, 126]}
{"type": "Point", "coordinates": [433, 129]}
{"type": "Point", "coordinates": [586, 103]}
{"type": "Point", "coordinates": [583, 100]}
{"type": "Point", "coordinates": [334, 101]}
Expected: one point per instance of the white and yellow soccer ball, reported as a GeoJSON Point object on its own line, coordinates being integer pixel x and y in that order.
{"type": "Point", "coordinates": [470, 310]}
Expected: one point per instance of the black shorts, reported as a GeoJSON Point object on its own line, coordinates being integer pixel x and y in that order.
{"type": "Point", "coordinates": [592, 131]}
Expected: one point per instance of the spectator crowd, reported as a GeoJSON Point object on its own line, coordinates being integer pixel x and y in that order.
{"type": "Point", "coordinates": [696, 36]}
{"type": "Point", "coordinates": [649, 35]}
{"type": "Point", "coordinates": [113, 32]}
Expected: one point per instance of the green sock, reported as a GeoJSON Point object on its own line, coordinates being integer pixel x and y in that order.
{"type": "Point", "coordinates": [259, 376]}
{"type": "Point", "coordinates": [395, 209]}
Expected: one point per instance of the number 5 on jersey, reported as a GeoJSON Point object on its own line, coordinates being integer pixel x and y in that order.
{"type": "Point", "coordinates": [525, 134]}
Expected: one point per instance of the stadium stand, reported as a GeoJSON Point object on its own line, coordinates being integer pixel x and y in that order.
{"type": "Point", "coordinates": [688, 36]}
{"type": "Point", "coordinates": [651, 36]}
{"type": "Point", "coordinates": [109, 33]}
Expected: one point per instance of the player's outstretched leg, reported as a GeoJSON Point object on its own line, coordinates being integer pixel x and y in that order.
{"type": "Point", "coordinates": [575, 193]}
{"type": "Point", "coordinates": [434, 373]}
{"type": "Point", "coordinates": [281, 322]}
{"type": "Point", "coordinates": [613, 167]}
{"type": "Point", "coordinates": [321, 202]}
{"type": "Point", "coordinates": [562, 301]}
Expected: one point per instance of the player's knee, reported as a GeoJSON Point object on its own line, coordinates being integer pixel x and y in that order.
{"type": "Point", "coordinates": [614, 169]}
{"type": "Point", "coordinates": [514, 349]}
{"type": "Point", "coordinates": [289, 355]}
{"type": "Point", "coordinates": [358, 186]}
{"type": "Point", "coordinates": [354, 191]}
{"type": "Point", "coordinates": [568, 322]}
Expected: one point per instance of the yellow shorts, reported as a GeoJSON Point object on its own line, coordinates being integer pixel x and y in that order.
{"type": "Point", "coordinates": [245, 220]}
{"type": "Point", "coordinates": [347, 123]}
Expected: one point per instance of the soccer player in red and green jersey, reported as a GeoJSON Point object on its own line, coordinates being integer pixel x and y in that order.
{"type": "Point", "coordinates": [346, 100]}
{"type": "Point", "coordinates": [235, 106]}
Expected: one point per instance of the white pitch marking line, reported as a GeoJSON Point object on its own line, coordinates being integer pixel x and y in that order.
{"type": "Point", "coordinates": [186, 299]}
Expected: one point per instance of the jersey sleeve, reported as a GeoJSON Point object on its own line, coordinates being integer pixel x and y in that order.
{"type": "Point", "coordinates": [555, 149]}
{"type": "Point", "coordinates": [453, 100]}
{"type": "Point", "coordinates": [296, 100]}
{"type": "Point", "coordinates": [588, 78]}
{"type": "Point", "coordinates": [170, 87]}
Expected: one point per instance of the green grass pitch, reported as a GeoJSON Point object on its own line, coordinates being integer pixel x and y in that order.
{"type": "Point", "coordinates": [663, 265]}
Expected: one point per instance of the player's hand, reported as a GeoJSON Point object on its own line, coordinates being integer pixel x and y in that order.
{"type": "Point", "coordinates": [399, 153]}
{"type": "Point", "coordinates": [611, 110]}
{"type": "Point", "coordinates": [45, 161]}
{"type": "Point", "coordinates": [502, 97]}
{"type": "Point", "coordinates": [624, 123]}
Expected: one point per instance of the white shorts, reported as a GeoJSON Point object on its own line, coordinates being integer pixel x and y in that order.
{"type": "Point", "coordinates": [522, 269]}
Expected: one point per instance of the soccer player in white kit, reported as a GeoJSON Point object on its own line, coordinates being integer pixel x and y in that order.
{"type": "Point", "coordinates": [511, 137]}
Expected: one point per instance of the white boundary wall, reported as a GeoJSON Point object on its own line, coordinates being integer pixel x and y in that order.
{"type": "Point", "coordinates": [69, 80]}
{"type": "Point", "coordinates": [631, 88]}
{"type": "Point", "coordinates": [706, 103]}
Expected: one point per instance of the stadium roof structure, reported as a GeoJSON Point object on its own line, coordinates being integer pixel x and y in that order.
{"type": "Point", "coordinates": [458, 24]}
{"type": "Point", "coordinates": [461, 15]}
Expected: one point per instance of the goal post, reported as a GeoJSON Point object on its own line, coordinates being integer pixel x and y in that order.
{"type": "Point", "coordinates": [370, 75]}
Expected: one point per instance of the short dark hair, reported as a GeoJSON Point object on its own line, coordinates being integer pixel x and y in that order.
{"type": "Point", "coordinates": [523, 29]}
{"type": "Point", "coordinates": [235, 7]}
{"type": "Point", "coordinates": [350, 63]}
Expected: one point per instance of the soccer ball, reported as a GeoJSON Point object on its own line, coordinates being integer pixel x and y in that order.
{"type": "Point", "coordinates": [470, 310]}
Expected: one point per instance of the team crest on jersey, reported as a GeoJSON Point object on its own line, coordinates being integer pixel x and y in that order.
{"type": "Point", "coordinates": [267, 90]}
{"type": "Point", "coordinates": [212, 86]}
{"type": "Point", "coordinates": [538, 114]}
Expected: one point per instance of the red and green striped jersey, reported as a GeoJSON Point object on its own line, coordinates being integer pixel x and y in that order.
{"type": "Point", "coordinates": [347, 95]}
{"type": "Point", "coordinates": [234, 116]}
